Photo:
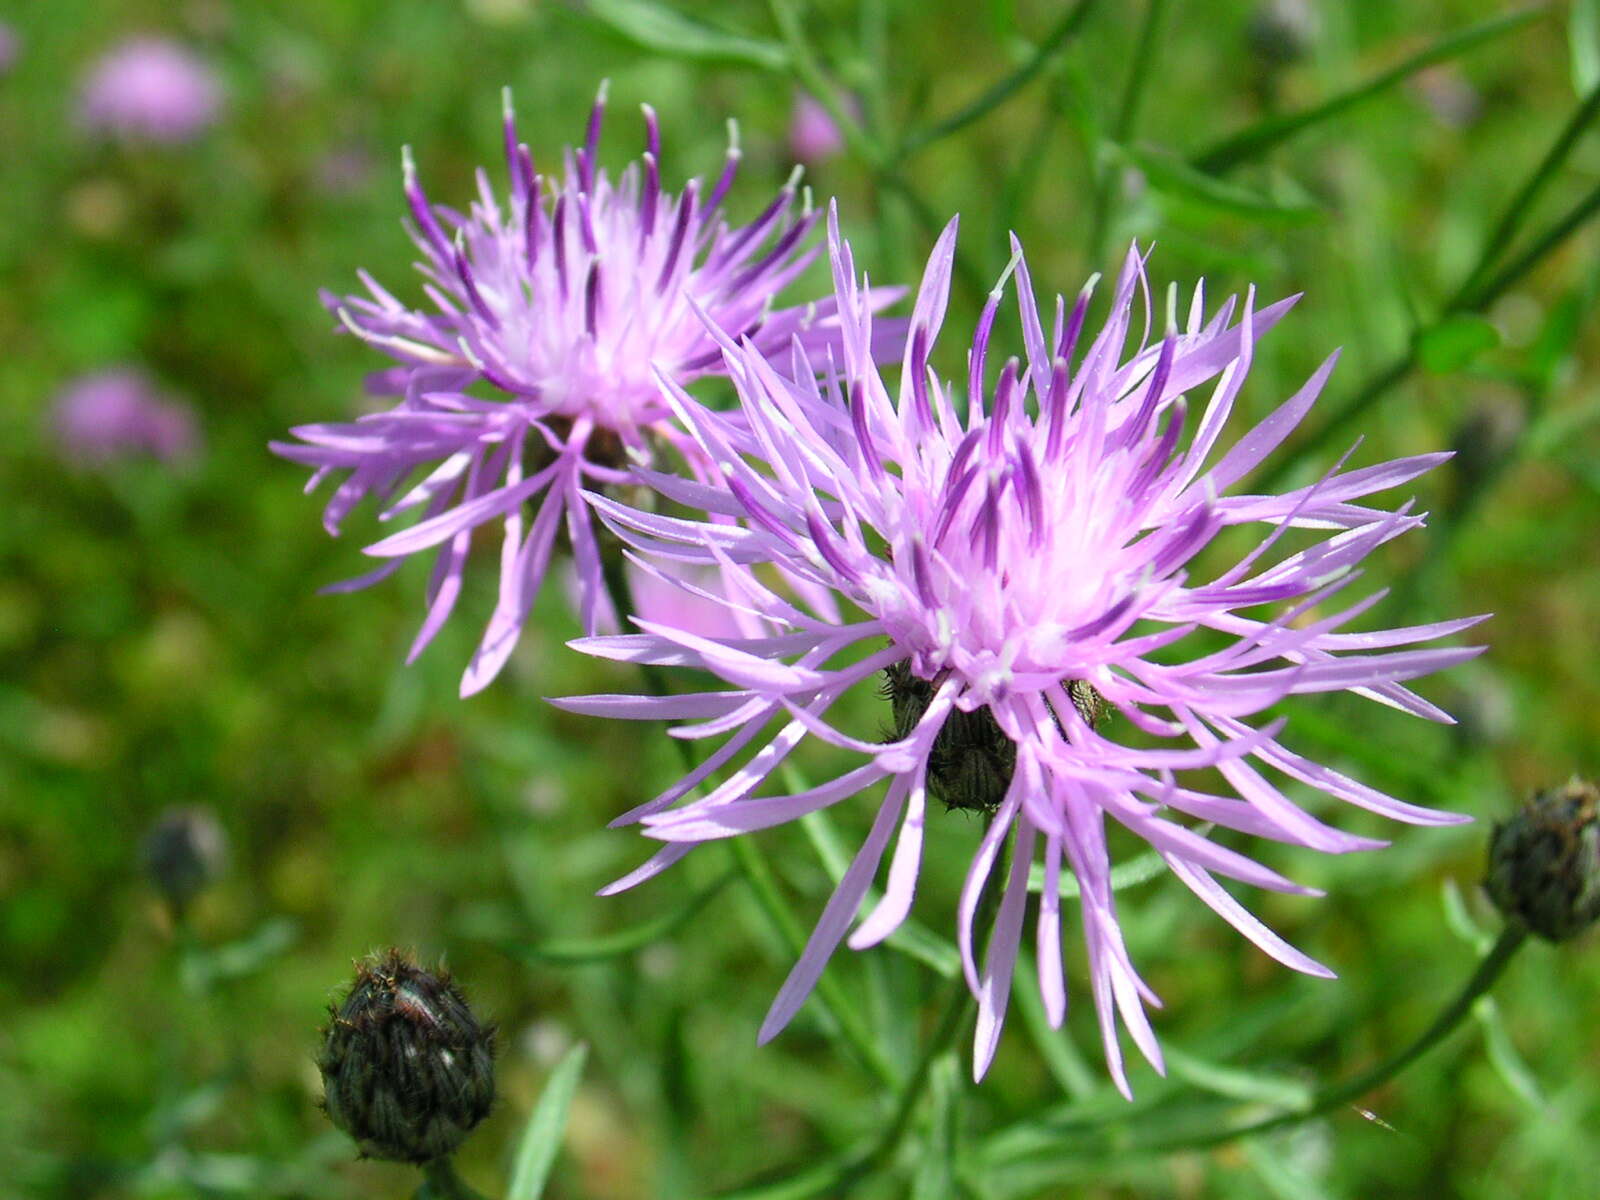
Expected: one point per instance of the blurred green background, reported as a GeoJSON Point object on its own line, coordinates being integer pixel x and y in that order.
{"type": "Point", "coordinates": [162, 642]}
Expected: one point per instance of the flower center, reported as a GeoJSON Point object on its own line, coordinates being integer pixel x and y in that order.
{"type": "Point", "coordinates": [971, 762]}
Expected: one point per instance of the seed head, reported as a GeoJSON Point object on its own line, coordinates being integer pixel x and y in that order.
{"type": "Point", "coordinates": [407, 1070]}
{"type": "Point", "coordinates": [1544, 863]}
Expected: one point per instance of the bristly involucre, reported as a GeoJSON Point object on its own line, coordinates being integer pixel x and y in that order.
{"type": "Point", "coordinates": [564, 299]}
{"type": "Point", "coordinates": [1032, 563]}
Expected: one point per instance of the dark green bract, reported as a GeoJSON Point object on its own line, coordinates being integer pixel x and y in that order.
{"type": "Point", "coordinates": [1544, 863]}
{"type": "Point", "coordinates": [407, 1070]}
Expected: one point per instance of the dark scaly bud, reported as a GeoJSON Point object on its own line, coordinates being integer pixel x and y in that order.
{"type": "Point", "coordinates": [972, 760]}
{"type": "Point", "coordinates": [1544, 863]}
{"type": "Point", "coordinates": [184, 853]}
{"type": "Point", "coordinates": [407, 1070]}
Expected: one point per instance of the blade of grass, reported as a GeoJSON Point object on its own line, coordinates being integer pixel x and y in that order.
{"type": "Point", "coordinates": [541, 1139]}
{"type": "Point", "coordinates": [576, 951]}
{"type": "Point", "coordinates": [1004, 89]}
{"type": "Point", "coordinates": [1256, 139]}
{"type": "Point", "coordinates": [1123, 125]}
{"type": "Point", "coordinates": [1472, 300]}
{"type": "Point", "coordinates": [1510, 223]}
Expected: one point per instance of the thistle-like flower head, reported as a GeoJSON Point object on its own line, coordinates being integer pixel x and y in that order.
{"type": "Point", "coordinates": [1026, 572]}
{"type": "Point", "coordinates": [563, 301]}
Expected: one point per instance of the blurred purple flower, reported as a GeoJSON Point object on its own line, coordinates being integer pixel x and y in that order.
{"type": "Point", "coordinates": [118, 414]}
{"type": "Point", "coordinates": [567, 300]}
{"type": "Point", "coordinates": [813, 134]}
{"type": "Point", "coordinates": [150, 88]}
{"type": "Point", "coordinates": [1024, 575]}
{"type": "Point", "coordinates": [10, 47]}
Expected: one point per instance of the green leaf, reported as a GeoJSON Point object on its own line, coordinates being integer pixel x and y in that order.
{"type": "Point", "coordinates": [1255, 140]}
{"type": "Point", "coordinates": [1170, 176]}
{"type": "Point", "coordinates": [666, 31]}
{"type": "Point", "coordinates": [542, 1136]}
{"type": "Point", "coordinates": [1284, 1179]}
{"type": "Point", "coordinates": [1583, 44]}
{"type": "Point", "coordinates": [1503, 1054]}
{"type": "Point", "coordinates": [1459, 921]}
{"type": "Point", "coordinates": [1238, 1083]}
{"type": "Point", "coordinates": [1454, 342]}
{"type": "Point", "coordinates": [575, 951]}
{"type": "Point", "coordinates": [203, 968]}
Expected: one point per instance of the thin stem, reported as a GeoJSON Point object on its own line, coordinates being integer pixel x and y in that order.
{"type": "Point", "coordinates": [442, 1183]}
{"type": "Point", "coordinates": [763, 885]}
{"type": "Point", "coordinates": [1258, 138]}
{"type": "Point", "coordinates": [958, 1007]}
{"type": "Point", "coordinates": [1490, 968]}
{"type": "Point", "coordinates": [808, 71]}
{"type": "Point", "coordinates": [1505, 230]}
{"type": "Point", "coordinates": [1007, 87]}
{"type": "Point", "coordinates": [758, 876]}
{"type": "Point", "coordinates": [1465, 300]}
{"type": "Point", "coordinates": [1124, 123]}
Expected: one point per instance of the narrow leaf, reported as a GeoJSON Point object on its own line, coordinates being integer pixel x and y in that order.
{"type": "Point", "coordinates": [1454, 342]}
{"type": "Point", "coordinates": [655, 26]}
{"type": "Point", "coordinates": [1583, 44]}
{"type": "Point", "coordinates": [575, 951]}
{"type": "Point", "coordinates": [1170, 176]}
{"type": "Point", "coordinates": [542, 1136]}
{"type": "Point", "coordinates": [1255, 140]}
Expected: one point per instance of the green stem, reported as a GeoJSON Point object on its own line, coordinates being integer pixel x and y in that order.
{"type": "Point", "coordinates": [1490, 968]}
{"type": "Point", "coordinates": [958, 1006]}
{"type": "Point", "coordinates": [1505, 230]}
{"type": "Point", "coordinates": [1467, 299]}
{"type": "Point", "coordinates": [442, 1183]}
{"type": "Point", "coordinates": [1123, 125]}
{"type": "Point", "coordinates": [1262, 136]}
{"type": "Point", "coordinates": [752, 866]}
{"type": "Point", "coordinates": [808, 71]}
{"type": "Point", "coordinates": [763, 886]}
{"type": "Point", "coordinates": [1002, 91]}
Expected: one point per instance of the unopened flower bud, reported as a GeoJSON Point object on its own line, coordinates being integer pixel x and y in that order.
{"type": "Point", "coordinates": [407, 1070]}
{"type": "Point", "coordinates": [1544, 863]}
{"type": "Point", "coordinates": [184, 852]}
{"type": "Point", "coordinates": [1283, 31]}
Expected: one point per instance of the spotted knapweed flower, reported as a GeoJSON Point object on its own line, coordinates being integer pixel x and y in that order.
{"type": "Point", "coordinates": [565, 301]}
{"type": "Point", "coordinates": [1027, 582]}
{"type": "Point", "coordinates": [150, 89]}
{"type": "Point", "coordinates": [118, 413]}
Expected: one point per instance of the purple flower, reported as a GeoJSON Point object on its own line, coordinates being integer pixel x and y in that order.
{"type": "Point", "coordinates": [1027, 581]}
{"type": "Point", "coordinates": [566, 300]}
{"type": "Point", "coordinates": [150, 88]}
{"type": "Point", "coordinates": [118, 414]}
{"type": "Point", "coordinates": [813, 135]}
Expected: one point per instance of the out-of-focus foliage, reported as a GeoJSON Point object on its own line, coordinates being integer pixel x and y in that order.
{"type": "Point", "coordinates": [162, 641]}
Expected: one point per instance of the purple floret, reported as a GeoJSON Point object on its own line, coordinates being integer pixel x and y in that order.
{"type": "Point", "coordinates": [1030, 568]}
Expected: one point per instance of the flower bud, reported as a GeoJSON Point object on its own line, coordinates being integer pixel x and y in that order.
{"type": "Point", "coordinates": [184, 852]}
{"type": "Point", "coordinates": [1544, 863]}
{"type": "Point", "coordinates": [407, 1070]}
{"type": "Point", "coordinates": [1283, 31]}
